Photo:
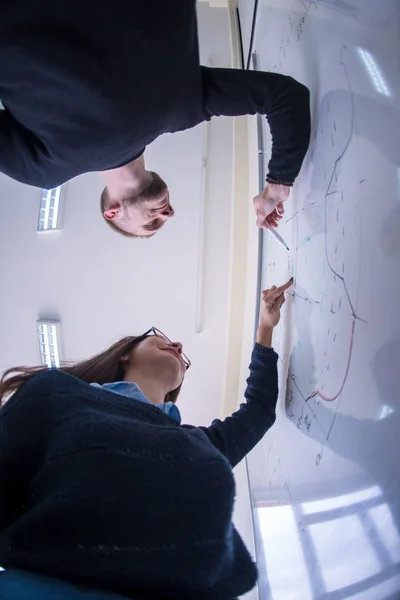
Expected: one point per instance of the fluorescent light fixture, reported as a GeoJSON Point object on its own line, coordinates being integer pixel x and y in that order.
{"type": "Point", "coordinates": [48, 333]}
{"type": "Point", "coordinates": [49, 207]}
{"type": "Point", "coordinates": [374, 72]}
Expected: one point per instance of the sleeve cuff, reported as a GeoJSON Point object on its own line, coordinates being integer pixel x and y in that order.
{"type": "Point", "coordinates": [264, 351]}
{"type": "Point", "coordinates": [280, 181]}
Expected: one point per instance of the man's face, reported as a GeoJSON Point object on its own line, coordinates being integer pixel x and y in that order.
{"type": "Point", "coordinates": [145, 213]}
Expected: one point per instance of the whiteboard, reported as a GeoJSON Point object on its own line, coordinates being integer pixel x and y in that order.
{"type": "Point", "coordinates": [325, 480]}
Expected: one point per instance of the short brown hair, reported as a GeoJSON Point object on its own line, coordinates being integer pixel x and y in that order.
{"type": "Point", "coordinates": [103, 201]}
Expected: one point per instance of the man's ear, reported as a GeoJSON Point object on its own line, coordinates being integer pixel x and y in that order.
{"type": "Point", "coordinates": [112, 213]}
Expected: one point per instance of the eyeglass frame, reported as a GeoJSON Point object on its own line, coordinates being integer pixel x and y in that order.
{"type": "Point", "coordinates": [158, 333]}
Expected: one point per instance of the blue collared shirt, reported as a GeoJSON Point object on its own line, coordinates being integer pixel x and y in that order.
{"type": "Point", "coordinates": [131, 390]}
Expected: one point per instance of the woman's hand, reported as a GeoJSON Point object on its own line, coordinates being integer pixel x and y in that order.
{"type": "Point", "coordinates": [268, 205]}
{"type": "Point", "coordinates": [271, 303]}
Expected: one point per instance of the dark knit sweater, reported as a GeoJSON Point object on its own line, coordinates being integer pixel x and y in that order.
{"type": "Point", "coordinates": [107, 492]}
{"type": "Point", "coordinates": [88, 84]}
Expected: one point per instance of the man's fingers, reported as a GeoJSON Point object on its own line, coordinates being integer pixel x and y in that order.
{"type": "Point", "coordinates": [260, 220]}
{"type": "Point", "coordinates": [274, 215]}
{"type": "Point", "coordinates": [280, 209]}
{"type": "Point", "coordinates": [270, 222]}
{"type": "Point", "coordinates": [265, 222]}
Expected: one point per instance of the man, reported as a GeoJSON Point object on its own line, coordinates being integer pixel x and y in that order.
{"type": "Point", "coordinates": [88, 84]}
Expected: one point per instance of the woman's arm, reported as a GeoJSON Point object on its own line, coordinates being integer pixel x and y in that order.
{"type": "Point", "coordinates": [239, 433]}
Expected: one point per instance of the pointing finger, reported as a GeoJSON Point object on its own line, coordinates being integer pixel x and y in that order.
{"type": "Point", "coordinates": [286, 285]}
{"type": "Point", "coordinates": [275, 292]}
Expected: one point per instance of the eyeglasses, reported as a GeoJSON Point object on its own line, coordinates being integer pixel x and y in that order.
{"type": "Point", "coordinates": [166, 339]}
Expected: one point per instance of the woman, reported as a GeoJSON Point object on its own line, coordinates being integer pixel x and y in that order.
{"type": "Point", "coordinates": [105, 495]}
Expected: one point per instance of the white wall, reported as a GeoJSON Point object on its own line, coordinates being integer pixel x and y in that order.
{"type": "Point", "coordinates": [103, 286]}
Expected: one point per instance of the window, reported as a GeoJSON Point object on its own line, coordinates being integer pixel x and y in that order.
{"type": "Point", "coordinates": [49, 209]}
{"type": "Point", "coordinates": [48, 332]}
{"type": "Point", "coordinates": [344, 547]}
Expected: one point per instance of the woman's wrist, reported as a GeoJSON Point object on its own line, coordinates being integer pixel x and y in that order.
{"type": "Point", "coordinates": [264, 336]}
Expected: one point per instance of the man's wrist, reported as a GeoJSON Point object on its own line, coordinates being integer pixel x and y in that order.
{"type": "Point", "coordinates": [278, 191]}
{"type": "Point", "coordinates": [275, 181]}
{"type": "Point", "coordinates": [282, 192]}
{"type": "Point", "coordinates": [264, 336]}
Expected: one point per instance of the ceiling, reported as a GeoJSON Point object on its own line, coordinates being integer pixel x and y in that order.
{"type": "Point", "coordinates": [103, 286]}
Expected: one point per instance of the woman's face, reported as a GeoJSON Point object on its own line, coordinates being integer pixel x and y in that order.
{"type": "Point", "coordinates": [157, 354]}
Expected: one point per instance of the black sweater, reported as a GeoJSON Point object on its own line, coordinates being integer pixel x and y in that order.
{"type": "Point", "coordinates": [87, 84]}
{"type": "Point", "coordinates": [107, 492]}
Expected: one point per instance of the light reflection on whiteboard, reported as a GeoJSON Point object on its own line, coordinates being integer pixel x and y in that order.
{"type": "Point", "coordinates": [339, 501]}
{"type": "Point", "coordinates": [345, 552]}
{"type": "Point", "coordinates": [354, 542]}
{"type": "Point", "coordinates": [287, 571]}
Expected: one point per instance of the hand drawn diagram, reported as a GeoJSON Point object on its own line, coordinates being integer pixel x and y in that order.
{"type": "Point", "coordinates": [335, 259]}
{"type": "Point", "coordinates": [324, 229]}
{"type": "Point", "coordinates": [338, 341]}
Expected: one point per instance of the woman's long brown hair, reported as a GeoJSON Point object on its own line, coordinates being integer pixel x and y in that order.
{"type": "Point", "coordinates": [105, 367]}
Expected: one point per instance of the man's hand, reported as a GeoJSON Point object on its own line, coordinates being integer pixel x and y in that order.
{"type": "Point", "coordinates": [268, 205]}
{"type": "Point", "coordinates": [272, 301]}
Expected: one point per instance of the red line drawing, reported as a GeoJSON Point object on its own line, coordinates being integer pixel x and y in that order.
{"type": "Point", "coordinates": [332, 398]}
